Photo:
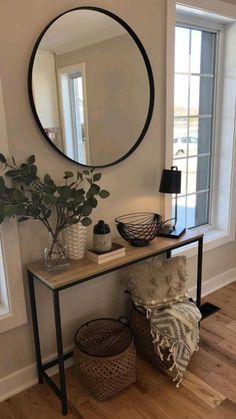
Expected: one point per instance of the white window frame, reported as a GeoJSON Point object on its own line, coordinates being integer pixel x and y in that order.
{"type": "Point", "coordinates": [214, 235]}
{"type": "Point", "coordinates": [65, 104]}
{"type": "Point", "coordinates": [12, 298]}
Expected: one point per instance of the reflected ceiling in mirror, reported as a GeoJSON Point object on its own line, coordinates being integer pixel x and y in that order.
{"type": "Point", "coordinates": [91, 87]}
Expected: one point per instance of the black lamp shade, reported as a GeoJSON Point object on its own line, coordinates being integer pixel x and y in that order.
{"type": "Point", "coordinates": [170, 181]}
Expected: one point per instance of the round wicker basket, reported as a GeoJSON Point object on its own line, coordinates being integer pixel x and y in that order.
{"type": "Point", "coordinates": [105, 357]}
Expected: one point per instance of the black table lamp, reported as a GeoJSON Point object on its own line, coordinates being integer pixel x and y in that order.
{"type": "Point", "coordinates": [171, 183]}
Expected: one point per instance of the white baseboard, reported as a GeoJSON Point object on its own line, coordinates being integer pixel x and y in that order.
{"type": "Point", "coordinates": [27, 377]}
{"type": "Point", "coordinates": [215, 283]}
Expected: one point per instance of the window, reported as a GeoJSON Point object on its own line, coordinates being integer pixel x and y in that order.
{"type": "Point", "coordinates": [77, 114]}
{"type": "Point", "coordinates": [12, 300]}
{"type": "Point", "coordinates": [195, 70]}
{"type": "Point", "coordinates": [73, 105]}
{"type": "Point", "coordinates": [201, 116]}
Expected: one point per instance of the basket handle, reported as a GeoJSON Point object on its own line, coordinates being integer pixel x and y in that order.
{"type": "Point", "coordinates": [139, 309]}
{"type": "Point", "coordinates": [77, 331]}
{"type": "Point", "coordinates": [124, 320]}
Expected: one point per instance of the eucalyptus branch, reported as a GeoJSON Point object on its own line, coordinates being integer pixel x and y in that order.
{"type": "Point", "coordinates": [41, 199]}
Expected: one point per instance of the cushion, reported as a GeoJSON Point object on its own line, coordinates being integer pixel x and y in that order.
{"type": "Point", "coordinates": [158, 282]}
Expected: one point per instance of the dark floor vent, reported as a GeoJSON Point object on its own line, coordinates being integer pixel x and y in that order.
{"type": "Point", "coordinates": [207, 309]}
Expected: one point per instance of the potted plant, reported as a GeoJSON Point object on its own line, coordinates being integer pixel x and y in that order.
{"type": "Point", "coordinates": [56, 206]}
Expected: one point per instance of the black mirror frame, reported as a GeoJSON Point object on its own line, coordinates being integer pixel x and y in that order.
{"type": "Point", "coordinates": [148, 68]}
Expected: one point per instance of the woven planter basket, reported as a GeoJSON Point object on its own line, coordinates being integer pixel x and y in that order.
{"type": "Point", "coordinates": [105, 357]}
{"type": "Point", "coordinates": [140, 327]}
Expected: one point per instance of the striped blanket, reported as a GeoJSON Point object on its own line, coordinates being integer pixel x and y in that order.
{"type": "Point", "coordinates": [176, 328]}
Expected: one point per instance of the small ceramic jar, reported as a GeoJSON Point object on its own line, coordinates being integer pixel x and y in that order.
{"type": "Point", "coordinates": [102, 237]}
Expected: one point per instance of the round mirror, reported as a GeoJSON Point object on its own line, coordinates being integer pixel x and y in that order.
{"type": "Point", "coordinates": [91, 87]}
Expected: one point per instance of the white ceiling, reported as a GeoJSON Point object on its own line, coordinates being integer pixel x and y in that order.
{"type": "Point", "coordinates": [78, 29]}
{"type": "Point", "coordinates": [191, 11]}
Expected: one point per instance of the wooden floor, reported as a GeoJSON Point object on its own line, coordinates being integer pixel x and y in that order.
{"type": "Point", "coordinates": [208, 390]}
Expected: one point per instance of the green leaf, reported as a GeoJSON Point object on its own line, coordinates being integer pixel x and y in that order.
{"type": "Point", "coordinates": [2, 158]}
{"type": "Point", "coordinates": [78, 199]}
{"type": "Point", "coordinates": [68, 174]}
{"type": "Point", "coordinates": [79, 175]}
{"type": "Point", "coordinates": [104, 194]}
{"type": "Point", "coordinates": [86, 209]}
{"type": "Point", "coordinates": [86, 221]}
{"type": "Point", "coordinates": [18, 195]}
{"type": "Point", "coordinates": [2, 184]}
{"type": "Point", "coordinates": [10, 210]}
{"type": "Point", "coordinates": [31, 159]}
{"type": "Point", "coordinates": [47, 179]}
{"type": "Point", "coordinates": [33, 170]}
{"type": "Point", "coordinates": [20, 209]}
{"type": "Point", "coordinates": [65, 192]}
{"type": "Point", "coordinates": [86, 172]}
{"type": "Point", "coordinates": [21, 219]}
{"type": "Point", "coordinates": [97, 177]}
{"type": "Point", "coordinates": [35, 195]}
{"type": "Point", "coordinates": [12, 173]}
{"type": "Point", "coordinates": [50, 188]}
{"type": "Point", "coordinates": [49, 199]}
{"type": "Point", "coordinates": [48, 213]}
{"type": "Point", "coordinates": [35, 212]}
{"type": "Point", "coordinates": [93, 202]}
{"type": "Point", "coordinates": [93, 190]}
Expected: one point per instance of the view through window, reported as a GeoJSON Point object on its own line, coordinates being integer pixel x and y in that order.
{"type": "Point", "coordinates": [195, 70]}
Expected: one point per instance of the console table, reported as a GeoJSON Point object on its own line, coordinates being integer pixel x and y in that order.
{"type": "Point", "coordinates": [84, 270]}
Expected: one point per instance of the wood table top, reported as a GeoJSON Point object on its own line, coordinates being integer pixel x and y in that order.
{"type": "Point", "coordinates": [83, 270]}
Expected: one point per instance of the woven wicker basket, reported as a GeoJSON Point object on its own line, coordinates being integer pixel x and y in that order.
{"type": "Point", "coordinates": [140, 327]}
{"type": "Point", "coordinates": [105, 357]}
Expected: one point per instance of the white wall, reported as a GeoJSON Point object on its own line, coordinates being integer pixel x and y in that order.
{"type": "Point", "coordinates": [133, 183]}
{"type": "Point", "coordinates": [45, 89]}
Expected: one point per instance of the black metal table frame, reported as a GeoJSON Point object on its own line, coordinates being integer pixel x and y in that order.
{"type": "Point", "coordinates": [61, 357]}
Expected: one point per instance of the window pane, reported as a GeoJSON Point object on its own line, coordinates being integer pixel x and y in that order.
{"type": "Point", "coordinates": [197, 209]}
{"type": "Point", "coordinates": [181, 213]}
{"type": "Point", "coordinates": [182, 36]}
{"type": "Point", "coordinates": [182, 166]}
{"type": "Point", "coordinates": [180, 133]}
{"type": "Point", "coordinates": [194, 95]}
{"type": "Point", "coordinates": [208, 53]}
{"type": "Point", "coordinates": [204, 135]}
{"type": "Point", "coordinates": [206, 96]}
{"type": "Point", "coordinates": [191, 210]}
{"type": "Point", "coordinates": [181, 95]}
{"type": "Point", "coordinates": [196, 41]}
{"type": "Point", "coordinates": [203, 173]}
{"type": "Point", "coordinates": [198, 173]}
{"type": "Point", "coordinates": [192, 174]}
{"type": "Point", "coordinates": [193, 125]}
{"type": "Point", "coordinates": [193, 137]}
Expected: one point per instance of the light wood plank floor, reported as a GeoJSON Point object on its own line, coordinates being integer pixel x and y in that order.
{"type": "Point", "coordinates": [208, 390]}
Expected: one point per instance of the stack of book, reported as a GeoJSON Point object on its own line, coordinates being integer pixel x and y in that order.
{"type": "Point", "coordinates": [116, 252]}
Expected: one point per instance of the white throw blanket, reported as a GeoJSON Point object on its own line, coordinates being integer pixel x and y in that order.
{"type": "Point", "coordinates": [176, 328]}
{"type": "Point", "coordinates": [160, 286]}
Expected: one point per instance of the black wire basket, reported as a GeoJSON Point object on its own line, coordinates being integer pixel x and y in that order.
{"type": "Point", "coordinates": [139, 228]}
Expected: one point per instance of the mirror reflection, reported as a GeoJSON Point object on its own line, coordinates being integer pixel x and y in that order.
{"type": "Point", "coordinates": [90, 87]}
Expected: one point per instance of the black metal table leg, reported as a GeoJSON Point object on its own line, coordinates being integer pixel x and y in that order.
{"type": "Point", "coordinates": [199, 271]}
{"type": "Point", "coordinates": [168, 254]}
{"type": "Point", "coordinates": [57, 317]}
{"type": "Point", "coordinates": [35, 326]}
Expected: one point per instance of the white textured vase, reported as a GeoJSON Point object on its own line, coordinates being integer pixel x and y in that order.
{"type": "Point", "coordinates": [75, 240]}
